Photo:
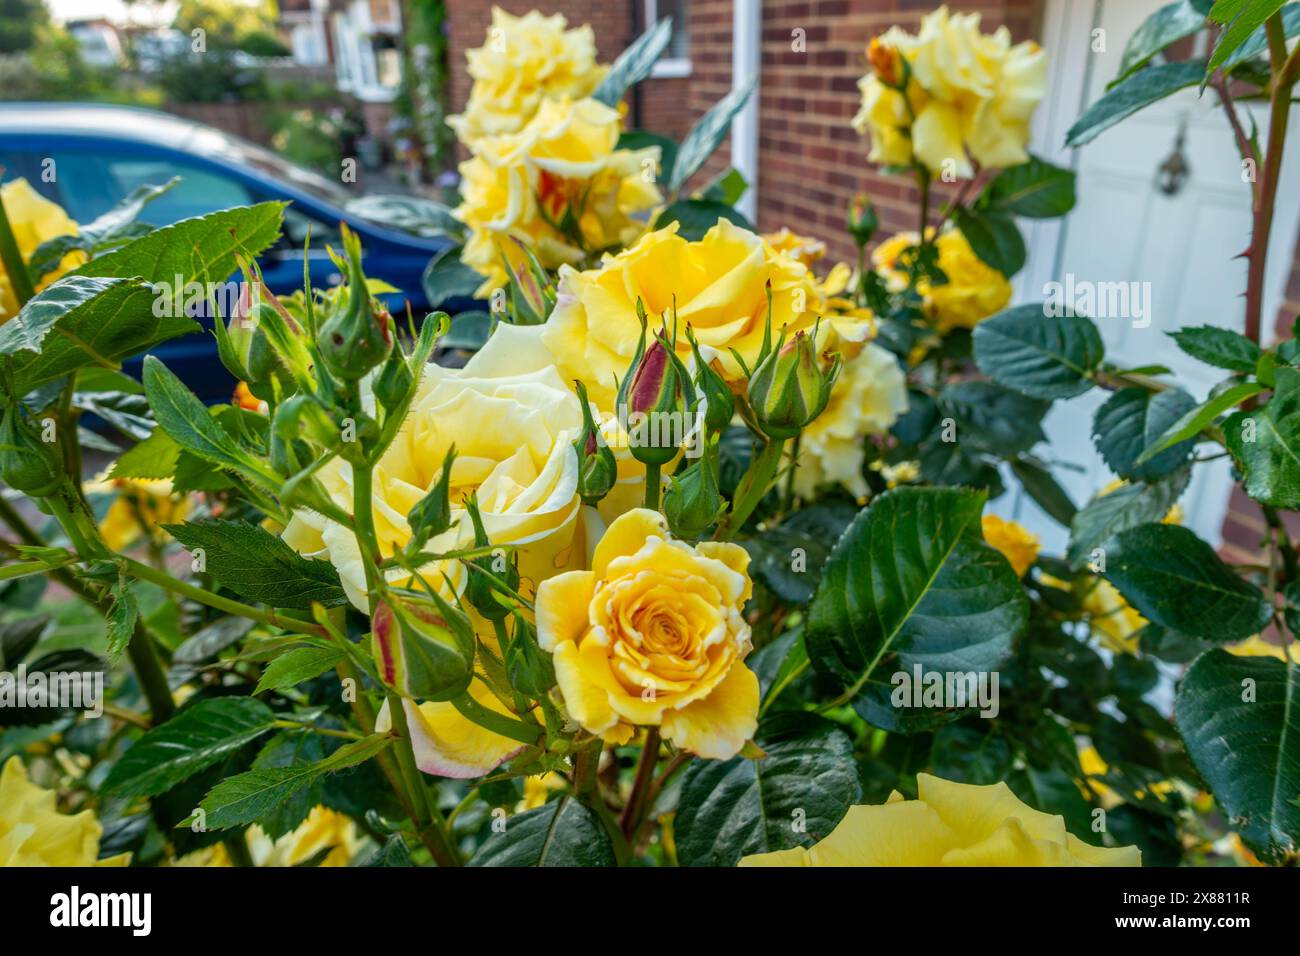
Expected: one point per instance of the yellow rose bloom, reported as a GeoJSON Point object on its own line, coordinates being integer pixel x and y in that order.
{"type": "Point", "coordinates": [562, 165]}
{"type": "Point", "coordinates": [34, 220]}
{"type": "Point", "coordinates": [513, 421]}
{"type": "Point", "coordinates": [139, 508]}
{"type": "Point", "coordinates": [719, 287]}
{"type": "Point", "coordinates": [34, 833]}
{"type": "Point", "coordinates": [974, 291]}
{"type": "Point", "coordinates": [1014, 540]}
{"type": "Point", "coordinates": [950, 824]}
{"type": "Point", "coordinates": [867, 399]}
{"type": "Point", "coordinates": [654, 636]}
{"type": "Point", "coordinates": [969, 96]}
{"type": "Point", "coordinates": [524, 61]}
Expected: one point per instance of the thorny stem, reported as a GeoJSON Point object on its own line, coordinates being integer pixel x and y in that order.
{"type": "Point", "coordinates": [633, 811]}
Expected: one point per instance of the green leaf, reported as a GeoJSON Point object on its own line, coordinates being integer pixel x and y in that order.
{"type": "Point", "coordinates": [258, 566]}
{"type": "Point", "coordinates": [1042, 355]}
{"type": "Point", "coordinates": [197, 737]}
{"type": "Point", "coordinates": [80, 321]}
{"type": "Point", "coordinates": [1266, 444]}
{"type": "Point", "coordinates": [1200, 418]}
{"type": "Point", "coordinates": [1168, 25]}
{"type": "Point", "coordinates": [971, 752]}
{"type": "Point", "coordinates": [240, 800]}
{"type": "Point", "coordinates": [189, 422]}
{"type": "Point", "coordinates": [706, 135]}
{"type": "Point", "coordinates": [1241, 19]}
{"type": "Point", "coordinates": [635, 63]}
{"type": "Point", "coordinates": [1045, 490]}
{"type": "Point", "coordinates": [1240, 719]}
{"type": "Point", "coordinates": [155, 457]}
{"type": "Point", "coordinates": [297, 665]}
{"type": "Point", "coordinates": [995, 418]}
{"type": "Point", "coordinates": [128, 413]}
{"type": "Point", "coordinates": [412, 214]}
{"type": "Point", "coordinates": [912, 583]}
{"type": "Point", "coordinates": [204, 646]}
{"type": "Point", "coordinates": [994, 237]}
{"type": "Point", "coordinates": [1222, 348]}
{"type": "Point", "coordinates": [112, 228]}
{"type": "Point", "coordinates": [1258, 42]}
{"type": "Point", "coordinates": [726, 188]}
{"type": "Point", "coordinates": [561, 833]}
{"type": "Point", "coordinates": [1135, 93]}
{"type": "Point", "coordinates": [446, 278]}
{"type": "Point", "coordinates": [1036, 190]}
{"type": "Point", "coordinates": [792, 797]}
{"type": "Point", "coordinates": [1126, 507]}
{"type": "Point", "coordinates": [788, 557]}
{"type": "Point", "coordinates": [17, 638]}
{"type": "Point", "coordinates": [201, 249]}
{"type": "Point", "coordinates": [698, 216]}
{"type": "Point", "coordinates": [121, 619]}
{"type": "Point", "coordinates": [1174, 578]}
{"type": "Point", "coordinates": [1131, 421]}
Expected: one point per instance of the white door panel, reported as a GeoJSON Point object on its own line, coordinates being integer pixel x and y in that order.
{"type": "Point", "coordinates": [1124, 229]}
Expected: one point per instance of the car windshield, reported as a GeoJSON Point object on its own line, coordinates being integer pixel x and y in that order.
{"type": "Point", "coordinates": [251, 155]}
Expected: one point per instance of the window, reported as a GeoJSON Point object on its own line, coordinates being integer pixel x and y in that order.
{"type": "Point", "coordinates": [676, 60]}
{"type": "Point", "coordinates": [90, 184]}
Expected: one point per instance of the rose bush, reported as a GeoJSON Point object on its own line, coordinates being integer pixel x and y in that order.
{"type": "Point", "coordinates": [692, 560]}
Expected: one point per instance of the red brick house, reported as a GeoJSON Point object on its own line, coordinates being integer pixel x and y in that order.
{"type": "Point", "coordinates": [804, 162]}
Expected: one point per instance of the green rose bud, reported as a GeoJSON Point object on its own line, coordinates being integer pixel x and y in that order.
{"type": "Point", "coordinates": [431, 515]}
{"type": "Point", "coordinates": [656, 399]}
{"type": "Point", "coordinates": [862, 220]}
{"type": "Point", "coordinates": [719, 400]}
{"type": "Point", "coordinates": [597, 469]}
{"type": "Point", "coordinates": [483, 587]}
{"type": "Point", "coordinates": [355, 337]}
{"type": "Point", "coordinates": [790, 387]}
{"type": "Point", "coordinates": [528, 668]}
{"type": "Point", "coordinates": [394, 381]}
{"type": "Point", "coordinates": [693, 502]}
{"type": "Point", "coordinates": [27, 464]}
{"type": "Point", "coordinates": [424, 649]}
{"type": "Point", "coordinates": [532, 291]}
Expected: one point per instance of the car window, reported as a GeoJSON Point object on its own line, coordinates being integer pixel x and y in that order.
{"type": "Point", "coordinates": [296, 227]}
{"type": "Point", "coordinates": [92, 184]}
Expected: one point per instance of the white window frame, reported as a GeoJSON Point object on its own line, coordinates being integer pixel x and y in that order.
{"type": "Point", "coordinates": [665, 67]}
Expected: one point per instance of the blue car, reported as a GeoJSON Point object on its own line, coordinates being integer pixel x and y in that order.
{"type": "Point", "coordinates": [99, 154]}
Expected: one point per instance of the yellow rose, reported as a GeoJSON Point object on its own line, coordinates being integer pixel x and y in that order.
{"type": "Point", "coordinates": [524, 61]}
{"type": "Point", "coordinates": [140, 506]}
{"type": "Point", "coordinates": [969, 95]}
{"type": "Point", "coordinates": [513, 421]}
{"type": "Point", "coordinates": [867, 399]}
{"type": "Point", "coordinates": [718, 283]}
{"type": "Point", "coordinates": [562, 165]}
{"type": "Point", "coordinates": [654, 636]}
{"type": "Point", "coordinates": [34, 833]}
{"type": "Point", "coordinates": [1016, 543]}
{"type": "Point", "coordinates": [34, 220]}
{"type": "Point", "coordinates": [973, 292]}
{"type": "Point", "coordinates": [950, 824]}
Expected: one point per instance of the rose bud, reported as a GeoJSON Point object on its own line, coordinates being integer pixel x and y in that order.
{"type": "Point", "coordinates": [719, 400]}
{"type": "Point", "coordinates": [657, 399]}
{"type": "Point", "coordinates": [790, 387]}
{"type": "Point", "coordinates": [424, 649]}
{"type": "Point", "coordinates": [888, 63]}
{"type": "Point", "coordinates": [693, 503]}
{"type": "Point", "coordinates": [431, 515]}
{"type": "Point", "coordinates": [27, 464]}
{"type": "Point", "coordinates": [489, 574]}
{"type": "Point", "coordinates": [355, 337]}
{"type": "Point", "coordinates": [597, 469]}
{"type": "Point", "coordinates": [862, 220]}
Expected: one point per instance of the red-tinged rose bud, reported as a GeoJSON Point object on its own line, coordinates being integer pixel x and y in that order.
{"type": "Point", "coordinates": [355, 337]}
{"type": "Point", "coordinates": [656, 399]}
{"type": "Point", "coordinates": [423, 649]}
{"type": "Point", "coordinates": [791, 386]}
{"type": "Point", "coordinates": [597, 469]}
{"type": "Point", "coordinates": [862, 220]}
{"type": "Point", "coordinates": [888, 63]}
